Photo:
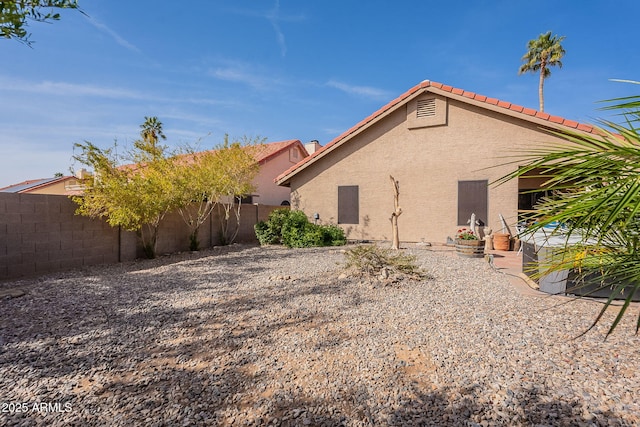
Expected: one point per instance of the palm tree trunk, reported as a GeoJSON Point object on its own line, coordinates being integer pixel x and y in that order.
{"type": "Point", "coordinates": [543, 69]}
{"type": "Point", "coordinates": [540, 91]}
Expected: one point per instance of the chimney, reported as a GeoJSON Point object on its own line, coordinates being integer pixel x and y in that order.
{"type": "Point", "coordinates": [312, 146]}
{"type": "Point", "coordinates": [82, 173]}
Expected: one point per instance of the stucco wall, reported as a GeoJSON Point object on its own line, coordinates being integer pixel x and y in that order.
{"type": "Point", "coordinates": [57, 188]}
{"type": "Point", "coordinates": [270, 192]}
{"type": "Point", "coordinates": [428, 162]}
{"type": "Point", "coordinates": [41, 234]}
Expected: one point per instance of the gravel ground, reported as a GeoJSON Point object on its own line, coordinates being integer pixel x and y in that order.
{"type": "Point", "coordinates": [270, 336]}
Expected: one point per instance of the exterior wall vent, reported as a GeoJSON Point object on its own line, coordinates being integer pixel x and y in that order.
{"type": "Point", "coordinates": [426, 108]}
{"type": "Point", "coordinates": [426, 111]}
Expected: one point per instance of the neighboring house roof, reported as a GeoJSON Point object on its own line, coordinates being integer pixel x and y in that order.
{"type": "Point", "coordinates": [33, 184]}
{"type": "Point", "coordinates": [265, 152]}
{"type": "Point", "coordinates": [493, 104]}
{"type": "Point", "coordinates": [260, 152]}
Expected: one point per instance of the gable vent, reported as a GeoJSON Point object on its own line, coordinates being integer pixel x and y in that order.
{"type": "Point", "coordinates": [426, 108]}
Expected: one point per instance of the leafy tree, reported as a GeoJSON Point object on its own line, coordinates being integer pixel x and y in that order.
{"type": "Point", "coordinates": [202, 180]}
{"type": "Point", "coordinates": [196, 193]}
{"type": "Point", "coordinates": [15, 14]}
{"type": "Point", "coordinates": [136, 196]}
{"type": "Point", "coordinates": [596, 181]}
{"type": "Point", "coordinates": [542, 53]}
{"type": "Point", "coordinates": [238, 169]}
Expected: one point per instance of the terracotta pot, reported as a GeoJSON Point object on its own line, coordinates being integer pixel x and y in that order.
{"type": "Point", "coordinates": [470, 248]}
{"type": "Point", "coordinates": [501, 241]}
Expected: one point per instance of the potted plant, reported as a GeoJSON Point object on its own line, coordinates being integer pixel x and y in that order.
{"type": "Point", "coordinates": [468, 244]}
{"type": "Point", "coordinates": [501, 241]}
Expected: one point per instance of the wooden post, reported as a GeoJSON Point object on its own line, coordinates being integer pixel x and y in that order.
{"type": "Point", "coordinates": [395, 244]}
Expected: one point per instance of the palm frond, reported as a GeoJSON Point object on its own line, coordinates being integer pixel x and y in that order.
{"type": "Point", "coordinates": [594, 182]}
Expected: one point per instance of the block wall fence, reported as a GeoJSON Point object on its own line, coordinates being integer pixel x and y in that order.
{"type": "Point", "coordinates": [41, 234]}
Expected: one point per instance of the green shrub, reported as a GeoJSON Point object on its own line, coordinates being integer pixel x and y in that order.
{"type": "Point", "coordinates": [334, 235]}
{"type": "Point", "coordinates": [293, 229]}
{"type": "Point", "coordinates": [265, 234]}
{"type": "Point", "coordinates": [277, 219]}
{"type": "Point", "coordinates": [270, 232]}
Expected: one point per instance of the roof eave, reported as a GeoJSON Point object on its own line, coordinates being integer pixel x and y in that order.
{"type": "Point", "coordinates": [284, 148]}
{"type": "Point", "coordinates": [544, 120]}
{"type": "Point", "coordinates": [380, 114]}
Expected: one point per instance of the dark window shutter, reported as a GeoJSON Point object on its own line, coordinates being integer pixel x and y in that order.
{"type": "Point", "coordinates": [472, 198]}
{"type": "Point", "coordinates": [348, 204]}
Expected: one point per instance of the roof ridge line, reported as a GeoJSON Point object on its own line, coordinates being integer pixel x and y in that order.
{"type": "Point", "coordinates": [459, 93]}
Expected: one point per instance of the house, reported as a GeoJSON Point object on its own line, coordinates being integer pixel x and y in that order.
{"type": "Point", "coordinates": [61, 185]}
{"type": "Point", "coordinates": [444, 146]}
{"type": "Point", "coordinates": [273, 158]}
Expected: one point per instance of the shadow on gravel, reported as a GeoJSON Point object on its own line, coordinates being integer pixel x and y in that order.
{"type": "Point", "coordinates": [528, 407]}
{"type": "Point", "coordinates": [97, 339]}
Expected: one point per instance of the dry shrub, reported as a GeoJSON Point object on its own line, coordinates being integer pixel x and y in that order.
{"type": "Point", "coordinates": [374, 261]}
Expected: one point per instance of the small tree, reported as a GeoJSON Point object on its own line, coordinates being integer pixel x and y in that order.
{"type": "Point", "coordinates": [135, 197]}
{"type": "Point", "coordinates": [15, 14]}
{"type": "Point", "coordinates": [197, 192]}
{"type": "Point", "coordinates": [238, 169]}
{"type": "Point", "coordinates": [202, 180]}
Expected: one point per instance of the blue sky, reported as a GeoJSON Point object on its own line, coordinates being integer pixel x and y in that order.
{"type": "Point", "coordinates": [285, 69]}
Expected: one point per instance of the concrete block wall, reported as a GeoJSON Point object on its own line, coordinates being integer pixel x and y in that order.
{"type": "Point", "coordinates": [41, 234]}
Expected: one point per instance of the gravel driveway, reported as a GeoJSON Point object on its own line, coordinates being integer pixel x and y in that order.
{"type": "Point", "coordinates": [269, 336]}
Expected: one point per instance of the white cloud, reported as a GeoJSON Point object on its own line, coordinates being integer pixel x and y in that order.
{"type": "Point", "coordinates": [273, 17]}
{"type": "Point", "coordinates": [66, 89]}
{"type": "Point", "coordinates": [363, 91]}
{"type": "Point", "coordinates": [120, 40]}
{"type": "Point", "coordinates": [246, 74]}
{"type": "Point", "coordinates": [233, 74]}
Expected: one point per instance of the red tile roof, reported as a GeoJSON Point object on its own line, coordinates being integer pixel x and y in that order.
{"type": "Point", "coordinates": [450, 92]}
{"type": "Point", "coordinates": [264, 152]}
{"type": "Point", "coordinates": [260, 152]}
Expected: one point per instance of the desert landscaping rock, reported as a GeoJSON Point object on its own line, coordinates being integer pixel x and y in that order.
{"type": "Point", "coordinates": [244, 335]}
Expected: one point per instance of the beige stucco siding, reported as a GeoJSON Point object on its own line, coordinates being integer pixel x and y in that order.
{"type": "Point", "coordinates": [56, 188]}
{"type": "Point", "coordinates": [268, 191]}
{"type": "Point", "coordinates": [428, 162]}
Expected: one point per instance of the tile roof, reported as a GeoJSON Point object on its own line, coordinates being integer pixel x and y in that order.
{"type": "Point", "coordinates": [450, 92]}
{"type": "Point", "coordinates": [260, 152]}
{"type": "Point", "coordinates": [264, 152]}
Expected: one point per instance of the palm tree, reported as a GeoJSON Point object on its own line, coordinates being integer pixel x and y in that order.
{"type": "Point", "coordinates": [151, 133]}
{"type": "Point", "coordinates": [596, 181]}
{"type": "Point", "coordinates": [543, 52]}
{"type": "Point", "coordinates": [152, 129]}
